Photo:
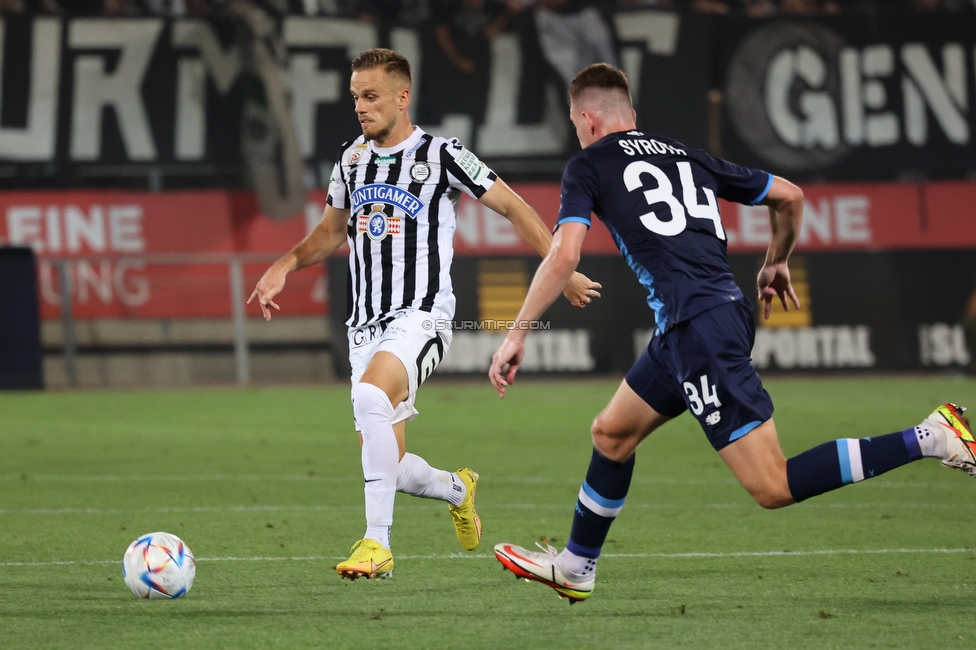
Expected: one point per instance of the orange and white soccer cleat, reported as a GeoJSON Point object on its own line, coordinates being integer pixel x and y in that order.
{"type": "Point", "coordinates": [544, 567]}
{"type": "Point", "coordinates": [960, 444]}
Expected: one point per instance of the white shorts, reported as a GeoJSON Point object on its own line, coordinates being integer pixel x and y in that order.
{"type": "Point", "coordinates": [413, 338]}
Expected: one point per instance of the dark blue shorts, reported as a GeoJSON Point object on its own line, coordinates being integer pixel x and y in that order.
{"type": "Point", "coordinates": [704, 365]}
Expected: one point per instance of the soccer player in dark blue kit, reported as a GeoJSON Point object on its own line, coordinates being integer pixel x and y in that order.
{"type": "Point", "coordinates": [659, 200]}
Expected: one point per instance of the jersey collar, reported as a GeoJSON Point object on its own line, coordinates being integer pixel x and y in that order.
{"type": "Point", "coordinates": [402, 146]}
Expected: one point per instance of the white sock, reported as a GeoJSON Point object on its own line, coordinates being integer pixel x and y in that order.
{"type": "Point", "coordinates": [577, 565]}
{"type": "Point", "coordinates": [415, 476]}
{"type": "Point", "coordinates": [374, 413]}
{"type": "Point", "coordinates": [931, 442]}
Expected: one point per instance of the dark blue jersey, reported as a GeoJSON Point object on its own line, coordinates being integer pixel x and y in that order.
{"type": "Point", "coordinates": [658, 199]}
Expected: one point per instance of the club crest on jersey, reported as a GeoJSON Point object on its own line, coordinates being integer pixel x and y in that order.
{"type": "Point", "coordinates": [389, 195]}
{"type": "Point", "coordinates": [377, 225]}
{"type": "Point", "coordinates": [356, 154]}
{"type": "Point", "coordinates": [420, 172]}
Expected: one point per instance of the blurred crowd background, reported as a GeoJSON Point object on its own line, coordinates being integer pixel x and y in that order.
{"type": "Point", "coordinates": [485, 17]}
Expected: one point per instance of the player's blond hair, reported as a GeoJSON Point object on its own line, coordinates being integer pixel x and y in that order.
{"type": "Point", "coordinates": [600, 77]}
{"type": "Point", "coordinates": [380, 57]}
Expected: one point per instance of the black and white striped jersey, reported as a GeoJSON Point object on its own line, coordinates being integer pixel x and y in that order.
{"type": "Point", "coordinates": [402, 203]}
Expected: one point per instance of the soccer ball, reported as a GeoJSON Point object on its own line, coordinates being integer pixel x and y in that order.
{"type": "Point", "coordinates": [158, 565]}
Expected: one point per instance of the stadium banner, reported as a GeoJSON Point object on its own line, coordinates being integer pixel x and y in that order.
{"type": "Point", "coordinates": [96, 97]}
{"type": "Point", "coordinates": [861, 96]}
{"type": "Point", "coordinates": [859, 267]}
{"type": "Point", "coordinates": [860, 312]}
{"type": "Point", "coordinates": [151, 255]}
{"type": "Point", "coordinates": [858, 96]}
{"type": "Point", "coordinates": [145, 255]}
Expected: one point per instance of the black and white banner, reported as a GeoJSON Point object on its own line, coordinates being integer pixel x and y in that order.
{"type": "Point", "coordinates": [152, 91]}
{"type": "Point", "coordinates": [853, 97]}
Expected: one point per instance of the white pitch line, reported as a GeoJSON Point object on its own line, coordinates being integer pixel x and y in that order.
{"type": "Point", "coordinates": [328, 478]}
{"type": "Point", "coordinates": [466, 556]}
{"type": "Point", "coordinates": [432, 506]}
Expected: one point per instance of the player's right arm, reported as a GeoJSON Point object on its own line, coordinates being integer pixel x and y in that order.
{"type": "Point", "coordinates": [326, 237]}
{"type": "Point", "coordinates": [785, 202]}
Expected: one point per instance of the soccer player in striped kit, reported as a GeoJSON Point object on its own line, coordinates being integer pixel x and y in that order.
{"type": "Point", "coordinates": [392, 197]}
{"type": "Point", "coordinates": [658, 199]}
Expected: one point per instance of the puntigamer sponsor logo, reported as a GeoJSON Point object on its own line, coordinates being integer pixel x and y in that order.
{"type": "Point", "coordinates": [378, 193]}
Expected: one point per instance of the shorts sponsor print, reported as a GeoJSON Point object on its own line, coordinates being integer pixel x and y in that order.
{"type": "Point", "coordinates": [703, 365]}
{"type": "Point", "coordinates": [411, 338]}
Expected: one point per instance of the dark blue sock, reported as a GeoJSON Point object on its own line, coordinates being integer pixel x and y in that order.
{"type": "Point", "coordinates": [600, 500]}
{"type": "Point", "coordinates": [848, 460]}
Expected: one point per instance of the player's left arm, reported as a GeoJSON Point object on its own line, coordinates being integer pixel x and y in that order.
{"type": "Point", "coordinates": [550, 278]}
{"type": "Point", "coordinates": [578, 289]}
{"type": "Point", "coordinates": [785, 202]}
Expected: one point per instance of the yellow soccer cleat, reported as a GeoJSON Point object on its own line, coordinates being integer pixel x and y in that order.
{"type": "Point", "coordinates": [960, 444]}
{"type": "Point", "coordinates": [367, 559]}
{"type": "Point", "coordinates": [467, 523]}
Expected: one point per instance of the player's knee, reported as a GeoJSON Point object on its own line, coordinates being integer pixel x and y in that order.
{"type": "Point", "coordinates": [772, 495]}
{"type": "Point", "coordinates": [369, 402]}
{"type": "Point", "coordinates": [609, 441]}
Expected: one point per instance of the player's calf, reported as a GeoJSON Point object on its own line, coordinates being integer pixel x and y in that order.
{"type": "Point", "coordinates": [946, 434]}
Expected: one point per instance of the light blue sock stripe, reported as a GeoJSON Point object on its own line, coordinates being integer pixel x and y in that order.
{"type": "Point", "coordinates": [743, 430]}
{"type": "Point", "coordinates": [606, 503]}
{"type": "Point", "coordinates": [845, 462]}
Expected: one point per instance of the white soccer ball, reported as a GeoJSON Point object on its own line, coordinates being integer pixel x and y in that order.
{"type": "Point", "coordinates": [158, 565]}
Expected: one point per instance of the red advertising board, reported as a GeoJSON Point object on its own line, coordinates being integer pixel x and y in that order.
{"type": "Point", "coordinates": [150, 255]}
{"type": "Point", "coordinates": [166, 255]}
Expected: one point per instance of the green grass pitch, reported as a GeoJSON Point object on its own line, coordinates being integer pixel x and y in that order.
{"type": "Point", "coordinates": [271, 477]}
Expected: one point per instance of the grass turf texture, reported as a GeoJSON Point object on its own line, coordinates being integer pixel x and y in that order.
{"type": "Point", "coordinates": [274, 474]}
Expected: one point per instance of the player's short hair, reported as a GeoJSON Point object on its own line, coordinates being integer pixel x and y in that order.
{"type": "Point", "coordinates": [600, 76]}
{"type": "Point", "coordinates": [381, 57]}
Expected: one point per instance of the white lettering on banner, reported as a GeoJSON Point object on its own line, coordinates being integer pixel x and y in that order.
{"type": "Point", "coordinates": [826, 346]}
{"type": "Point", "coordinates": [103, 281]}
{"type": "Point", "coordinates": [839, 220]}
{"type": "Point", "coordinates": [223, 66]}
{"type": "Point", "coordinates": [311, 86]}
{"type": "Point", "coordinates": [945, 97]}
{"type": "Point", "coordinates": [89, 227]}
{"type": "Point", "coordinates": [861, 74]}
{"type": "Point", "coordinates": [24, 227]}
{"type": "Point", "coordinates": [817, 126]}
{"type": "Point", "coordinates": [36, 140]}
{"type": "Point", "coordinates": [657, 34]}
{"type": "Point", "coordinates": [74, 230]}
{"type": "Point", "coordinates": [125, 228]}
{"type": "Point", "coordinates": [501, 135]}
{"type": "Point", "coordinates": [551, 351]}
{"type": "Point", "coordinates": [95, 88]}
{"type": "Point", "coordinates": [943, 345]}
{"type": "Point", "coordinates": [821, 97]}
